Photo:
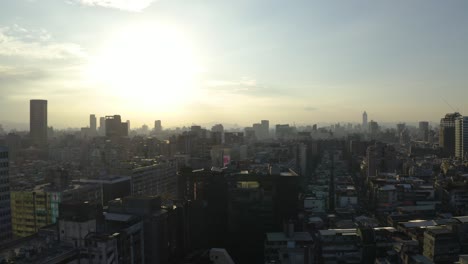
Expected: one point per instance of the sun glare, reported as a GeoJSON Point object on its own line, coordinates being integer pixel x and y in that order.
{"type": "Point", "coordinates": [151, 65]}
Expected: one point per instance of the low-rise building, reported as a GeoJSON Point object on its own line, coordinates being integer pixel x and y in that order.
{"type": "Point", "coordinates": [289, 247]}
{"type": "Point", "coordinates": [152, 177]}
{"type": "Point", "coordinates": [441, 245]}
{"type": "Point", "coordinates": [37, 207]}
{"type": "Point", "coordinates": [340, 245]}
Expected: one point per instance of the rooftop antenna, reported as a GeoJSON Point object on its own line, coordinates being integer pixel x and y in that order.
{"type": "Point", "coordinates": [455, 110]}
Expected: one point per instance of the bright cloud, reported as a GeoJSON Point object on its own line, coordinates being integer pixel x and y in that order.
{"type": "Point", "coordinates": [128, 5]}
{"type": "Point", "coordinates": [31, 62]}
{"type": "Point", "coordinates": [16, 41]}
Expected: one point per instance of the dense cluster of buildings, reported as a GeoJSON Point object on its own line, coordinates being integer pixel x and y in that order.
{"type": "Point", "coordinates": [344, 193]}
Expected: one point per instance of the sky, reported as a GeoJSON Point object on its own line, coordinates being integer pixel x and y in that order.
{"type": "Point", "coordinates": [236, 62]}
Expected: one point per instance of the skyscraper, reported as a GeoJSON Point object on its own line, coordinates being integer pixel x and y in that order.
{"type": "Point", "coordinates": [257, 127]}
{"type": "Point", "coordinates": [92, 123]}
{"type": "Point", "coordinates": [373, 128]}
{"type": "Point", "coordinates": [424, 131]}
{"type": "Point", "coordinates": [157, 126]}
{"type": "Point", "coordinates": [447, 133]}
{"type": "Point", "coordinates": [266, 128]}
{"type": "Point", "coordinates": [364, 121]}
{"type": "Point", "coordinates": [5, 207]}
{"type": "Point", "coordinates": [262, 130]}
{"type": "Point", "coordinates": [461, 137]}
{"type": "Point", "coordinates": [380, 158]}
{"type": "Point", "coordinates": [115, 127]}
{"type": "Point", "coordinates": [283, 131]}
{"type": "Point", "coordinates": [38, 122]}
{"type": "Point", "coordinates": [102, 126]}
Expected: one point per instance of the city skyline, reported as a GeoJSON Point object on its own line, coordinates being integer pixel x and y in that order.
{"type": "Point", "coordinates": [161, 124]}
{"type": "Point", "coordinates": [233, 62]}
{"type": "Point", "coordinates": [233, 131]}
{"type": "Point", "coordinates": [20, 126]}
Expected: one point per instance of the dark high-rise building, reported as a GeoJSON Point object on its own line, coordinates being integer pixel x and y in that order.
{"type": "Point", "coordinates": [257, 127]}
{"type": "Point", "coordinates": [115, 127]}
{"type": "Point", "coordinates": [380, 158]}
{"type": "Point", "coordinates": [364, 121]}
{"type": "Point", "coordinates": [461, 137]}
{"type": "Point", "coordinates": [262, 130]}
{"type": "Point", "coordinates": [283, 131]}
{"type": "Point", "coordinates": [5, 207]}
{"type": "Point", "coordinates": [163, 236]}
{"type": "Point", "coordinates": [217, 134]}
{"type": "Point", "coordinates": [92, 123]}
{"type": "Point", "coordinates": [102, 126]}
{"type": "Point", "coordinates": [373, 128]}
{"type": "Point", "coordinates": [447, 133]}
{"type": "Point", "coordinates": [266, 128]}
{"type": "Point", "coordinates": [38, 122]}
{"type": "Point", "coordinates": [424, 131]}
{"type": "Point", "coordinates": [157, 126]}
{"type": "Point", "coordinates": [13, 143]}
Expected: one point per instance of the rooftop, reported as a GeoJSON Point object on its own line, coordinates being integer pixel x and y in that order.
{"type": "Point", "coordinates": [387, 188]}
{"type": "Point", "coordinates": [417, 208]}
{"type": "Point", "coordinates": [438, 230]}
{"type": "Point", "coordinates": [118, 217]}
{"type": "Point", "coordinates": [106, 180]}
{"type": "Point", "coordinates": [418, 223]}
{"type": "Point", "coordinates": [281, 236]}
{"type": "Point", "coordinates": [339, 232]}
{"type": "Point", "coordinates": [462, 219]}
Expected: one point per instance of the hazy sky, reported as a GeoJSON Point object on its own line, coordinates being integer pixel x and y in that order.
{"type": "Point", "coordinates": [233, 61]}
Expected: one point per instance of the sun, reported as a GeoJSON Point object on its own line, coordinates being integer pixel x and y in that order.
{"type": "Point", "coordinates": [148, 65]}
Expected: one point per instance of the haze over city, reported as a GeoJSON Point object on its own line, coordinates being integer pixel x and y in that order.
{"type": "Point", "coordinates": [233, 132]}
{"type": "Point", "coordinates": [235, 62]}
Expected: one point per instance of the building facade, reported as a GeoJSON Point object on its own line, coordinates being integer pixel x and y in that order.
{"type": "Point", "coordinates": [447, 133]}
{"type": "Point", "coordinates": [266, 128]}
{"type": "Point", "coordinates": [364, 121]}
{"type": "Point", "coordinates": [441, 245]}
{"type": "Point", "coordinates": [93, 123]}
{"type": "Point", "coordinates": [35, 208]}
{"type": "Point", "coordinates": [282, 247]}
{"type": "Point", "coordinates": [102, 126]}
{"type": "Point", "coordinates": [115, 127]}
{"type": "Point", "coordinates": [380, 158]}
{"type": "Point", "coordinates": [38, 122]}
{"type": "Point", "coordinates": [30, 211]}
{"type": "Point", "coordinates": [157, 126]}
{"type": "Point", "coordinates": [424, 131]}
{"type": "Point", "coordinates": [5, 211]}
{"type": "Point", "coordinates": [461, 137]}
{"type": "Point", "coordinates": [150, 177]}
